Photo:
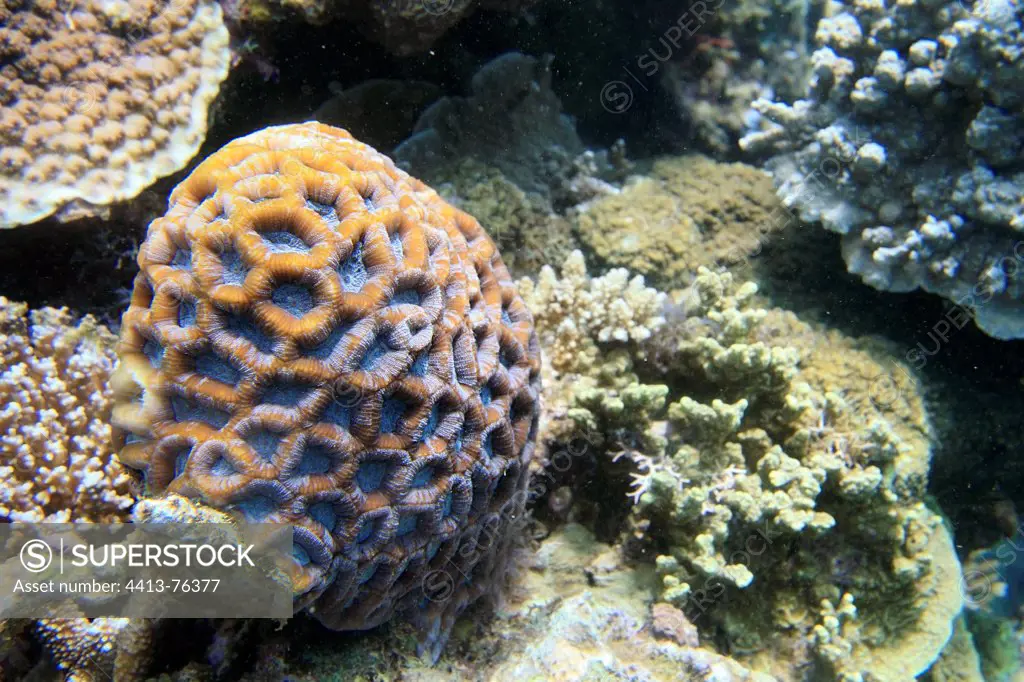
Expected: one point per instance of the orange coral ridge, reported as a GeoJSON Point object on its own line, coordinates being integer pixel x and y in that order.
{"type": "Point", "coordinates": [317, 338]}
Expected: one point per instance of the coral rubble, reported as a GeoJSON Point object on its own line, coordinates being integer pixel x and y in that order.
{"type": "Point", "coordinates": [100, 99]}
{"type": "Point", "coordinates": [56, 461]}
{"type": "Point", "coordinates": [318, 339]}
{"type": "Point", "coordinates": [908, 145]}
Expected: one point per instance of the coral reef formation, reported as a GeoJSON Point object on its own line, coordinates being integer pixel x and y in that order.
{"type": "Point", "coordinates": [527, 230]}
{"type": "Point", "coordinates": [403, 27]}
{"type": "Point", "coordinates": [100, 99]}
{"type": "Point", "coordinates": [381, 112]}
{"type": "Point", "coordinates": [686, 212]}
{"type": "Point", "coordinates": [56, 461]}
{"type": "Point", "coordinates": [778, 474]}
{"type": "Point", "coordinates": [908, 144]}
{"type": "Point", "coordinates": [511, 120]}
{"type": "Point", "coordinates": [316, 338]}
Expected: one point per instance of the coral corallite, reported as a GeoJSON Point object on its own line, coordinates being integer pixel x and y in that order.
{"type": "Point", "coordinates": [318, 339]}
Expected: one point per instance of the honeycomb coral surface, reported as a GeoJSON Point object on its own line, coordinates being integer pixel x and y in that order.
{"type": "Point", "coordinates": [100, 98]}
{"type": "Point", "coordinates": [316, 338]}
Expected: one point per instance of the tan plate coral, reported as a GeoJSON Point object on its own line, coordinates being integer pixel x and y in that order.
{"type": "Point", "coordinates": [100, 98]}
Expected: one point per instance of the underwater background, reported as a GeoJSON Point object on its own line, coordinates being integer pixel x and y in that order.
{"type": "Point", "coordinates": [614, 340]}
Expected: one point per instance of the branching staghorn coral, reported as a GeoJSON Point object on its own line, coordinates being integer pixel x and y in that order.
{"type": "Point", "coordinates": [56, 460]}
{"type": "Point", "coordinates": [780, 470]}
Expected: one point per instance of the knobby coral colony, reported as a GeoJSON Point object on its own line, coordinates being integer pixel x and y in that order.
{"type": "Point", "coordinates": [317, 338]}
{"type": "Point", "coordinates": [907, 143]}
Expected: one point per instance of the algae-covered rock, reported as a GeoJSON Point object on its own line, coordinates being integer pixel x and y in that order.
{"type": "Point", "coordinates": [529, 232]}
{"type": "Point", "coordinates": [687, 212]}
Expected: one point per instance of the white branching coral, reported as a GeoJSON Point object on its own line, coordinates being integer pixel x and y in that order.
{"type": "Point", "coordinates": [86, 650]}
{"type": "Point", "coordinates": [55, 458]}
{"type": "Point", "coordinates": [574, 310]}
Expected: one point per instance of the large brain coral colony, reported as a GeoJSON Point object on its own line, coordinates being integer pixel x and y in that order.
{"type": "Point", "coordinates": [317, 338]}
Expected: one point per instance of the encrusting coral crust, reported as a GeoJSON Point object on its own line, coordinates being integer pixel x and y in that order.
{"type": "Point", "coordinates": [100, 98]}
{"type": "Point", "coordinates": [687, 212]}
{"type": "Point", "coordinates": [318, 339]}
{"type": "Point", "coordinates": [56, 459]}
